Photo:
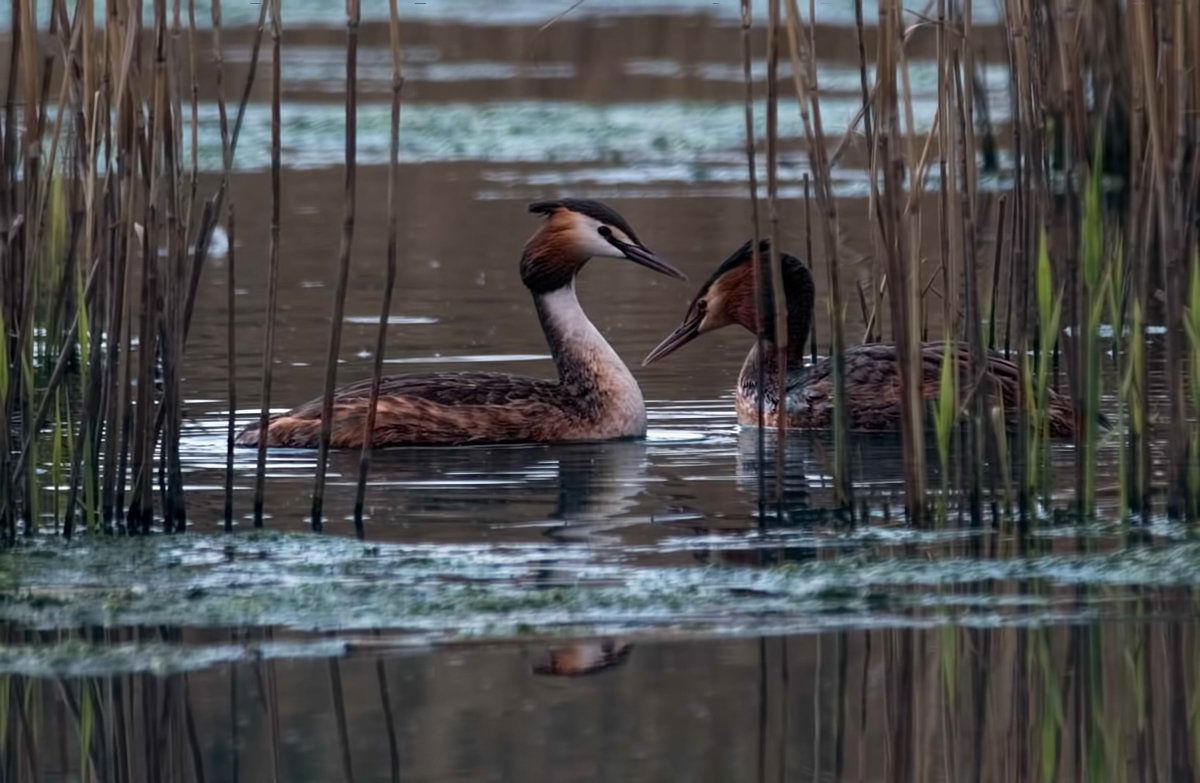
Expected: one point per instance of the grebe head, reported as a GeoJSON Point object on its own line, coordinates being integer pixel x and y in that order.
{"type": "Point", "coordinates": [576, 230]}
{"type": "Point", "coordinates": [728, 298]}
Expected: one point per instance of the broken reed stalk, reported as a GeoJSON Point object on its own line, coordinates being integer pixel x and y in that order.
{"type": "Point", "coordinates": [385, 309]}
{"type": "Point", "coordinates": [756, 264]}
{"type": "Point", "coordinates": [264, 414]}
{"type": "Point", "coordinates": [353, 13]}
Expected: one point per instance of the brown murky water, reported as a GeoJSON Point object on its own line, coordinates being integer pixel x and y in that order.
{"type": "Point", "coordinates": [908, 655]}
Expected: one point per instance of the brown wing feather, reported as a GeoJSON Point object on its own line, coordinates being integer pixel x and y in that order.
{"type": "Point", "coordinates": [445, 388]}
{"type": "Point", "coordinates": [435, 408]}
{"type": "Point", "coordinates": [873, 389]}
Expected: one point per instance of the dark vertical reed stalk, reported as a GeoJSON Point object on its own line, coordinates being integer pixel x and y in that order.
{"type": "Point", "coordinates": [981, 387]}
{"type": "Point", "coordinates": [230, 264]}
{"type": "Point", "coordinates": [364, 464]}
{"type": "Point", "coordinates": [1026, 207]}
{"type": "Point", "coordinates": [339, 711]}
{"type": "Point", "coordinates": [385, 703]}
{"type": "Point", "coordinates": [945, 414]}
{"type": "Point", "coordinates": [774, 283]}
{"type": "Point", "coordinates": [903, 286]}
{"type": "Point", "coordinates": [339, 297]}
{"type": "Point", "coordinates": [170, 322]}
{"type": "Point", "coordinates": [264, 414]}
{"type": "Point", "coordinates": [808, 259]}
{"type": "Point", "coordinates": [756, 261]}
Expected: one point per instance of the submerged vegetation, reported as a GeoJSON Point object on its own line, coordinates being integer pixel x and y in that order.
{"type": "Point", "coordinates": [105, 226]}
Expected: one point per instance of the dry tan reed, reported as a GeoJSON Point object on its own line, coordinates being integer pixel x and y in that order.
{"type": "Point", "coordinates": [353, 15]}
{"type": "Point", "coordinates": [390, 280]}
{"type": "Point", "coordinates": [1105, 98]}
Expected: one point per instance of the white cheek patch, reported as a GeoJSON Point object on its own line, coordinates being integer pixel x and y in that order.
{"type": "Point", "coordinates": [586, 233]}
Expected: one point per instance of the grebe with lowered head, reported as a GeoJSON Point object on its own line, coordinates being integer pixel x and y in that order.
{"type": "Point", "coordinates": [594, 398]}
{"type": "Point", "coordinates": [871, 369]}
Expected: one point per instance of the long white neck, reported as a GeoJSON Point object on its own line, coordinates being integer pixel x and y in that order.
{"type": "Point", "coordinates": [579, 350]}
{"type": "Point", "coordinates": [587, 365]}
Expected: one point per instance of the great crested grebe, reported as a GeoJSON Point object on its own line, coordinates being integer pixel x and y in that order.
{"type": "Point", "coordinates": [594, 398]}
{"type": "Point", "coordinates": [871, 369]}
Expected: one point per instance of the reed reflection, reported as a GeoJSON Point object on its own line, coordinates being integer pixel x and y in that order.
{"type": "Point", "coordinates": [984, 702]}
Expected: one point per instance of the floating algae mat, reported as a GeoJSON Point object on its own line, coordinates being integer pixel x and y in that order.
{"type": "Point", "coordinates": [423, 594]}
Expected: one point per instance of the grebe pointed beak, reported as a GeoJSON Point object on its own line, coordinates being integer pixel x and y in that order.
{"type": "Point", "coordinates": [639, 254]}
{"type": "Point", "coordinates": [683, 334]}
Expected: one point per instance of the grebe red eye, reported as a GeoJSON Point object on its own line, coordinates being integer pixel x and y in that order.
{"type": "Point", "coordinates": [605, 231]}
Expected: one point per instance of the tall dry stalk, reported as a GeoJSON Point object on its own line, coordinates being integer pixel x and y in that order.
{"type": "Point", "coordinates": [903, 286]}
{"type": "Point", "coordinates": [230, 264]}
{"type": "Point", "coordinates": [390, 280]}
{"type": "Point", "coordinates": [774, 283]}
{"type": "Point", "coordinates": [97, 206]}
{"type": "Point", "coordinates": [260, 468]}
{"type": "Point", "coordinates": [353, 14]}
{"type": "Point", "coordinates": [756, 261]}
{"type": "Point", "coordinates": [804, 75]}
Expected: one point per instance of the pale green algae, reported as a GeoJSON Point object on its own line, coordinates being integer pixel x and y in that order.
{"type": "Point", "coordinates": [427, 594]}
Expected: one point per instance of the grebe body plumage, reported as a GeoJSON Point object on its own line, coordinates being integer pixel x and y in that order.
{"type": "Point", "coordinates": [594, 398]}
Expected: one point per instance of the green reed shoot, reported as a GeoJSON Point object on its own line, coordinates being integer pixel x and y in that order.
{"type": "Point", "coordinates": [1135, 661]}
{"type": "Point", "coordinates": [999, 423]}
{"type": "Point", "coordinates": [944, 417]}
{"type": "Point", "coordinates": [1116, 316]}
{"type": "Point", "coordinates": [1037, 384]}
{"type": "Point", "coordinates": [948, 638]}
{"type": "Point", "coordinates": [1191, 326]}
{"type": "Point", "coordinates": [5, 698]}
{"type": "Point", "coordinates": [1095, 281]}
{"type": "Point", "coordinates": [1193, 713]}
{"type": "Point", "coordinates": [1050, 718]}
{"type": "Point", "coordinates": [31, 475]}
{"type": "Point", "coordinates": [86, 730]}
{"type": "Point", "coordinates": [4, 363]}
{"type": "Point", "coordinates": [57, 458]}
{"type": "Point", "coordinates": [1133, 393]}
{"type": "Point", "coordinates": [1099, 738]}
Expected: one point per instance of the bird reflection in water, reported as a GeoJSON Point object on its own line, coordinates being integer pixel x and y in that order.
{"type": "Point", "coordinates": [590, 657]}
